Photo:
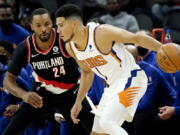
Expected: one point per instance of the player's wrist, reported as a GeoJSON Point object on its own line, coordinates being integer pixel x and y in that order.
{"type": "Point", "coordinates": [78, 101]}
{"type": "Point", "coordinates": [22, 94]}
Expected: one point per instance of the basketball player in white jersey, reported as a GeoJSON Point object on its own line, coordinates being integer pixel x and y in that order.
{"type": "Point", "coordinates": [99, 49]}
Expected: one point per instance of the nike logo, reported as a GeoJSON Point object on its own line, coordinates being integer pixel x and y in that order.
{"type": "Point", "coordinates": [34, 55]}
{"type": "Point", "coordinates": [56, 52]}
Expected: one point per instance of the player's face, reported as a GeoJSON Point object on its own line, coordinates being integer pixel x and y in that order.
{"type": "Point", "coordinates": [42, 25]}
{"type": "Point", "coordinates": [65, 29]}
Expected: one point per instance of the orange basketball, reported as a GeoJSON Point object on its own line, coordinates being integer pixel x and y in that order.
{"type": "Point", "coordinates": [168, 58]}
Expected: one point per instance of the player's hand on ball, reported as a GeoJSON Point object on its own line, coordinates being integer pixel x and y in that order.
{"type": "Point", "coordinates": [33, 99]}
{"type": "Point", "coordinates": [168, 58]}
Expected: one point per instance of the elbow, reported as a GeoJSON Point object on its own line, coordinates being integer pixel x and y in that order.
{"type": "Point", "coordinates": [137, 38]}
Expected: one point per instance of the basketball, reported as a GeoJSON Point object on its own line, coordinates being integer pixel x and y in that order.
{"type": "Point", "coordinates": [168, 58]}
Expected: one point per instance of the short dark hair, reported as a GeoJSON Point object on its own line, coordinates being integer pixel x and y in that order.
{"type": "Point", "coordinates": [7, 46]}
{"type": "Point", "coordinates": [69, 10]}
{"type": "Point", "coordinates": [39, 11]}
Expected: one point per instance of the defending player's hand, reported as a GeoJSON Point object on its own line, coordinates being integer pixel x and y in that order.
{"type": "Point", "coordinates": [10, 110]}
{"type": "Point", "coordinates": [33, 99]}
{"type": "Point", "coordinates": [166, 112]}
{"type": "Point", "coordinates": [75, 112]}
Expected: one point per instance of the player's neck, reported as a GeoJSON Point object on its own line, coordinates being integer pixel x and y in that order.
{"type": "Point", "coordinates": [80, 39]}
{"type": "Point", "coordinates": [43, 46]}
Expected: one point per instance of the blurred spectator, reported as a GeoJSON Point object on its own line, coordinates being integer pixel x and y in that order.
{"type": "Point", "coordinates": [8, 102]}
{"type": "Point", "coordinates": [2, 1]}
{"type": "Point", "coordinates": [171, 114]}
{"type": "Point", "coordinates": [143, 4]}
{"type": "Point", "coordinates": [24, 22]}
{"type": "Point", "coordinates": [119, 18]}
{"type": "Point", "coordinates": [79, 3]}
{"type": "Point", "coordinates": [150, 57]}
{"type": "Point", "coordinates": [171, 21]}
{"type": "Point", "coordinates": [137, 5]}
{"type": "Point", "coordinates": [161, 8]}
{"type": "Point", "coordinates": [93, 9]}
{"type": "Point", "coordinates": [23, 11]}
{"type": "Point", "coordinates": [159, 93]}
{"type": "Point", "coordinates": [142, 12]}
{"type": "Point", "coordinates": [102, 2]}
{"type": "Point", "coordinates": [9, 31]}
{"type": "Point", "coordinates": [26, 7]}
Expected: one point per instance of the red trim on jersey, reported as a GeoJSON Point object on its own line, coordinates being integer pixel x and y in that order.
{"type": "Point", "coordinates": [29, 50]}
{"type": "Point", "coordinates": [52, 43]}
{"type": "Point", "coordinates": [56, 84]}
{"type": "Point", "coordinates": [61, 48]}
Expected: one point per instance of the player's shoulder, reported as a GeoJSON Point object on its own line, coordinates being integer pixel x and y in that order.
{"type": "Point", "coordinates": [107, 30]}
{"type": "Point", "coordinates": [99, 27]}
{"type": "Point", "coordinates": [22, 47]}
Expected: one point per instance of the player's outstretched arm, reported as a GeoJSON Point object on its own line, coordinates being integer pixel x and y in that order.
{"type": "Point", "coordinates": [29, 97]}
{"type": "Point", "coordinates": [9, 83]}
{"type": "Point", "coordinates": [87, 76]}
{"type": "Point", "coordinates": [85, 84]}
{"type": "Point", "coordinates": [113, 34]}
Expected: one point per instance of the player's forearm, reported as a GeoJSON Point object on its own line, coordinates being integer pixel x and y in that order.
{"type": "Point", "coordinates": [148, 42]}
{"type": "Point", "coordinates": [85, 84]}
{"type": "Point", "coordinates": [9, 83]}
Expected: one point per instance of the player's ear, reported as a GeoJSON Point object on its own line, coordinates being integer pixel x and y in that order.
{"type": "Point", "coordinates": [75, 22]}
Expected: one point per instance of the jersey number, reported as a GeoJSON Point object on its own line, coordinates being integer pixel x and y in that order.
{"type": "Point", "coordinates": [59, 71]}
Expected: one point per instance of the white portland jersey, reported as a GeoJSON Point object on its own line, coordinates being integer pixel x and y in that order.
{"type": "Point", "coordinates": [117, 64]}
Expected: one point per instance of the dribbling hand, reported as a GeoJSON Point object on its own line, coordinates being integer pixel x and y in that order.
{"type": "Point", "coordinates": [33, 99]}
{"type": "Point", "coordinates": [75, 112]}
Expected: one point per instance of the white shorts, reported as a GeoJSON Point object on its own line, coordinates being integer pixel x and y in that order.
{"type": "Point", "coordinates": [120, 100]}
